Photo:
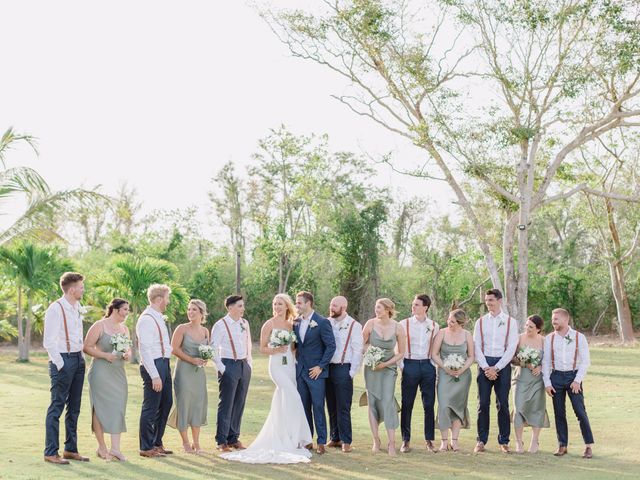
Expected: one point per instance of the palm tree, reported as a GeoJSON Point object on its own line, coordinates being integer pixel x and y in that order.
{"type": "Point", "coordinates": [34, 268]}
{"type": "Point", "coordinates": [41, 203]}
{"type": "Point", "coordinates": [130, 278]}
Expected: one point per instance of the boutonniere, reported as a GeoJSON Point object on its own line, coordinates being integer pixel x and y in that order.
{"type": "Point", "coordinates": [568, 339]}
{"type": "Point", "coordinates": [83, 310]}
{"type": "Point", "coordinates": [428, 328]}
{"type": "Point", "coordinates": [501, 323]}
{"type": "Point", "coordinates": [242, 327]}
{"type": "Point", "coordinates": [343, 327]}
{"type": "Point", "coordinates": [165, 318]}
{"type": "Point", "coordinates": [313, 324]}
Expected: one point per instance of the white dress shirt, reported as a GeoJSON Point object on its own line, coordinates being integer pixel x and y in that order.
{"type": "Point", "coordinates": [564, 351]}
{"type": "Point", "coordinates": [494, 330]}
{"type": "Point", "coordinates": [353, 354]}
{"type": "Point", "coordinates": [54, 339]}
{"type": "Point", "coordinates": [149, 340]}
{"type": "Point", "coordinates": [304, 324]}
{"type": "Point", "coordinates": [421, 332]}
{"type": "Point", "coordinates": [222, 345]}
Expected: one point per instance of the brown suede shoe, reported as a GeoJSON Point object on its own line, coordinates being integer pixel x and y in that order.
{"type": "Point", "coordinates": [504, 448]}
{"type": "Point", "coordinates": [56, 459]}
{"type": "Point", "coordinates": [430, 447]}
{"type": "Point", "coordinates": [334, 444]}
{"type": "Point", "coordinates": [588, 453]}
{"type": "Point", "coordinates": [561, 452]}
{"type": "Point", "coordinates": [347, 448]}
{"type": "Point", "coordinates": [153, 453]}
{"type": "Point", "coordinates": [309, 446]}
{"type": "Point", "coordinates": [238, 445]}
{"type": "Point", "coordinates": [74, 456]}
{"type": "Point", "coordinates": [405, 448]}
{"type": "Point", "coordinates": [163, 450]}
{"type": "Point", "coordinates": [223, 447]}
{"type": "Point", "coordinates": [320, 450]}
{"type": "Point", "coordinates": [479, 448]}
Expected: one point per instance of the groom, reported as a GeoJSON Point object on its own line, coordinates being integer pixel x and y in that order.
{"type": "Point", "coordinates": [315, 347]}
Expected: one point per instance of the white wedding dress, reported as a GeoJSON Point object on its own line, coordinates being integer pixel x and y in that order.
{"type": "Point", "coordinates": [286, 431]}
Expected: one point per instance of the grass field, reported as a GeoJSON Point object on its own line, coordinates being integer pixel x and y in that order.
{"type": "Point", "coordinates": [612, 395]}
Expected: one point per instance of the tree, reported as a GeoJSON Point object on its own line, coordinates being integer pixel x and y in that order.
{"type": "Point", "coordinates": [565, 73]}
{"type": "Point", "coordinates": [34, 269]}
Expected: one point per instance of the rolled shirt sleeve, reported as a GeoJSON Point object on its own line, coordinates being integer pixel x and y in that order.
{"type": "Point", "coordinates": [584, 359]}
{"type": "Point", "coordinates": [216, 339]}
{"type": "Point", "coordinates": [477, 341]}
{"type": "Point", "coordinates": [52, 328]}
{"type": "Point", "coordinates": [546, 361]}
{"type": "Point", "coordinates": [357, 343]}
{"type": "Point", "coordinates": [146, 332]}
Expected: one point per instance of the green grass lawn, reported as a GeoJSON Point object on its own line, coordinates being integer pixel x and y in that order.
{"type": "Point", "coordinates": [612, 395]}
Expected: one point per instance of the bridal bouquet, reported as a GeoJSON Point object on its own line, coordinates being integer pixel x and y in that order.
{"type": "Point", "coordinates": [205, 352]}
{"type": "Point", "coordinates": [120, 343]}
{"type": "Point", "coordinates": [454, 362]}
{"type": "Point", "coordinates": [373, 356]}
{"type": "Point", "coordinates": [282, 338]}
{"type": "Point", "coordinates": [529, 356]}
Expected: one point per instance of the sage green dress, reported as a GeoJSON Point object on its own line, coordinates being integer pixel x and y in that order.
{"type": "Point", "coordinates": [381, 385]}
{"type": "Point", "coordinates": [190, 384]}
{"type": "Point", "coordinates": [453, 397]}
{"type": "Point", "coordinates": [108, 389]}
{"type": "Point", "coordinates": [530, 399]}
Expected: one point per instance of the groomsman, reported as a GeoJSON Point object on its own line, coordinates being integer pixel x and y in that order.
{"type": "Point", "coordinates": [63, 341]}
{"type": "Point", "coordinates": [155, 351]}
{"type": "Point", "coordinates": [496, 339]}
{"type": "Point", "coordinates": [231, 342]}
{"type": "Point", "coordinates": [343, 367]}
{"type": "Point", "coordinates": [564, 366]}
{"type": "Point", "coordinates": [418, 370]}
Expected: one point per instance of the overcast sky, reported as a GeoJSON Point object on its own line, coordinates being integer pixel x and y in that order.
{"type": "Point", "coordinates": [162, 93]}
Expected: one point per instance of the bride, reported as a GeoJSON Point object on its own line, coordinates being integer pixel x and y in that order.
{"type": "Point", "coordinates": [285, 433]}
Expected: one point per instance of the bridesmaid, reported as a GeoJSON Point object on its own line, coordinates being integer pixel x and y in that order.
{"type": "Point", "coordinates": [453, 385]}
{"type": "Point", "coordinates": [190, 381]}
{"type": "Point", "coordinates": [107, 379]}
{"type": "Point", "coordinates": [380, 382]}
{"type": "Point", "coordinates": [529, 393]}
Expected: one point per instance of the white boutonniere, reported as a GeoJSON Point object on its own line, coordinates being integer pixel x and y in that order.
{"type": "Point", "coordinates": [568, 339]}
{"type": "Point", "coordinates": [428, 328]}
{"type": "Point", "coordinates": [313, 324]}
{"type": "Point", "coordinates": [83, 310]}
{"type": "Point", "coordinates": [501, 323]}
{"type": "Point", "coordinates": [165, 318]}
{"type": "Point", "coordinates": [343, 327]}
{"type": "Point", "coordinates": [242, 327]}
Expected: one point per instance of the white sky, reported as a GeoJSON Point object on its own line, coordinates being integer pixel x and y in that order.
{"type": "Point", "coordinates": [163, 93]}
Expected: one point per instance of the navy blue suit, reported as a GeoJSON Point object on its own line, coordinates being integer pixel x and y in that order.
{"type": "Point", "coordinates": [315, 351]}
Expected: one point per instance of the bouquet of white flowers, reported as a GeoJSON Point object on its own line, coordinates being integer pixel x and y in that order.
{"type": "Point", "coordinates": [454, 362]}
{"type": "Point", "coordinates": [120, 343]}
{"type": "Point", "coordinates": [529, 356]}
{"type": "Point", "coordinates": [282, 338]}
{"type": "Point", "coordinates": [373, 356]}
{"type": "Point", "coordinates": [205, 352]}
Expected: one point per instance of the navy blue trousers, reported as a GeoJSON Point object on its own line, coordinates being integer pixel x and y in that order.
{"type": "Point", "coordinates": [501, 386]}
{"type": "Point", "coordinates": [561, 382]}
{"type": "Point", "coordinates": [312, 394]}
{"type": "Point", "coordinates": [66, 390]}
{"type": "Point", "coordinates": [155, 406]}
{"type": "Point", "coordinates": [233, 386]}
{"type": "Point", "coordinates": [339, 397]}
{"type": "Point", "coordinates": [418, 373]}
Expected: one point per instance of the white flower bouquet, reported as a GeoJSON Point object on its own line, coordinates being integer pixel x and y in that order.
{"type": "Point", "coordinates": [454, 362]}
{"type": "Point", "coordinates": [529, 356]}
{"type": "Point", "coordinates": [373, 356]}
{"type": "Point", "coordinates": [282, 338]}
{"type": "Point", "coordinates": [205, 352]}
{"type": "Point", "coordinates": [120, 343]}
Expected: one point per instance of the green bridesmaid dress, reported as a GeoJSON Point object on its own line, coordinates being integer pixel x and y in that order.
{"type": "Point", "coordinates": [453, 396]}
{"type": "Point", "coordinates": [381, 385]}
{"type": "Point", "coordinates": [190, 384]}
{"type": "Point", "coordinates": [530, 399]}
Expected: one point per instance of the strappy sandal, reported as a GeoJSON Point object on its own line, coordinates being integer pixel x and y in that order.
{"type": "Point", "coordinates": [537, 444]}
{"type": "Point", "coordinates": [519, 447]}
{"type": "Point", "coordinates": [444, 445]}
{"type": "Point", "coordinates": [104, 456]}
{"type": "Point", "coordinates": [117, 455]}
{"type": "Point", "coordinates": [376, 445]}
{"type": "Point", "coordinates": [187, 448]}
{"type": "Point", "coordinates": [456, 449]}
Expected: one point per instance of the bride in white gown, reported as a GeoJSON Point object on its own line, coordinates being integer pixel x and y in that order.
{"type": "Point", "coordinates": [285, 433]}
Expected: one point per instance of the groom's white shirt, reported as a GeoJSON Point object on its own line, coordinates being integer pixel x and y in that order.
{"type": "Point", "coordinates": [304, 324]}
{"type": "Point", "coordinates": [222, 345]}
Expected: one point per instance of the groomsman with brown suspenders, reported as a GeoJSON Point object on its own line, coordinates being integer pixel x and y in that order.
{"type": "Point", "coordinates": [418, 371]}
{"type": "Point", "coordinates": [63, 340]}
{"type": "Point", "coordinates": [231, 342]}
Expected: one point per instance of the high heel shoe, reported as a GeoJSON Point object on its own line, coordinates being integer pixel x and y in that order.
{"type": "Point", "coordinates": [444, 445]}
{"type": "Point", "coordinates": [519, 447]}
{"type": "Point", "coordinates": [456, 448]}
{"type": "Point", "coordinates": [376, 445]}
{"type": "Point", "coordinates": [117, 455]}
{"type": "Point", "coordinates": [104, 456]}
{"type": "Point", "coordinates": [187, 448]}
{"type": "Point", "coordinates": [533, 448]}
{"type": "Point", "coordinates": [196, 449]}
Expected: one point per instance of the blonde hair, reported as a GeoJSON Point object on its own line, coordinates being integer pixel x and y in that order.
{"type": "Point", "coordinates": [460, 316]}
{"type": "Point", "coordinates": [200, 305]}
{"type": "Point", "coordinates": [389, 306]}
{"type": "Point", "coordinates": [562, 311]}
{"type": "Point", "coordinates": [157, 290]}
{"type": "Point", "coordinates": [291, 309]}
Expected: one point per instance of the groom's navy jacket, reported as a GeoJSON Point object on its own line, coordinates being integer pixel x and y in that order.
{"type": "Point", "coordinates": [318, 346]}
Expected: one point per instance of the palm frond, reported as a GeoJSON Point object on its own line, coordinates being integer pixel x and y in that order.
{"type": "Point", "coordinates": [22, 180]}
{"type": "Point", "coordinates": [10, 138]}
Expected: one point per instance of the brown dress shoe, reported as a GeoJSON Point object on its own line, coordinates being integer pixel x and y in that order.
{"type": "Point", "coordinates": [504, 448]}
{"type": "Point", "coordinates": [587, 453]}
{"type": "Point", "coordinates": [430, 446]}
{"type": "Point", "coordinates": [153, 453]}
{"type": "Point", "coordinates": [320, 450]}
{"type": "Point", "coordinates": [56, 460]}
{"type": "Point", "coordinates": [74, 456]}
{"type": "Point", "coordinates": [238, 446]}
{"type": "Point", "coordinates": [479, 448]}
{"type": "Point", "coordinates": [405, 448]}
{"type": "Point", "coordinates": [223, 447]}
{"type": "Point", "coordinates": [561, 451]}
{"type": "Point", "coordinates": [163, 450]}
{"type": "Point", "coordinates": [309, 446]}
{"type": "Point", "coordinates": [334, 444]}
{"type": "Point", "coordinates": [347, 448]}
